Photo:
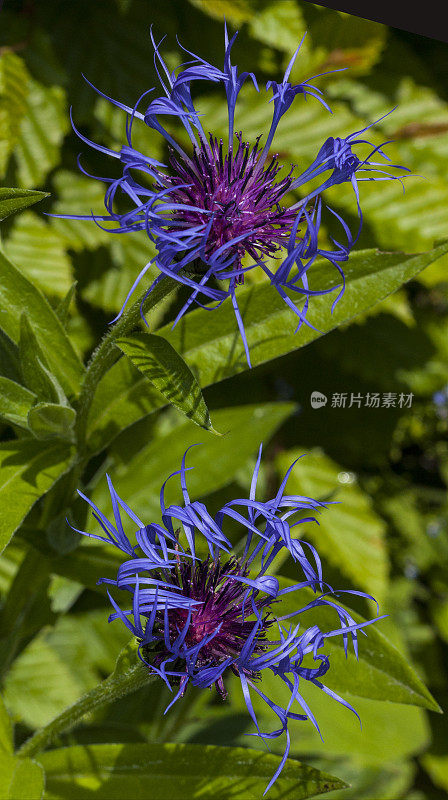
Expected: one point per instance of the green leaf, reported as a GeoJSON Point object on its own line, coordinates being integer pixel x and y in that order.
{"type": "Point", "coordinates": [215, 461]}
{"type": "Point", "coordinates": [382, 672]}
{"type": "Point", "coordinates": [28, 469]}
{"type": "Point", "coordinates": [211, 344]}
{"type": "Point", "coordinates": [14, 86]}
{"type": "Point", "coordinates": [76, 194]}
{"type": "Point", "coordinates": [279, 24]}
{"type": "Point", "coordinates": [49, 420]}
{"type": "Point", "coordinates": [350, 534]}
{"type": "Point", "coordinates": [41, 133]}
{"type": "Point", "coordinates": [40, 254]}
{"type": "Point", "coordinates": [404, 729]}
{"type": "Point", "coordinates": [61, 664]}
{"type": "Point", "coordinates": [9, 358]}
{"type": "Point", "coordinates": [15, 402]}
{"type": "Point", "coordinates": [167, 371]}
{"type": "Point", "coordinates": [34, 365]}
{"type": "Point", "coordinates": [237, 11]}
{"type": "Point", "coordinates": [26, 608]}
{"type": "Point", "coordinates": [166, 771]}
{"type": "Point", "coordinates": [63, 308]}
{"type": "Point", "coordinates": [111, 275]}
{"type": "Point", "coordinates": [12, 200]}
{"type": "Point", "coordinates": [21, 779]}
{"type": "Point", "coordinates": [437, 768]}
{"type": "Point", "coordinates": [18, 293]}
{"type": "Point", "coordinates": [123, 396]}
{"type": "Point", "coordinates": [6, 742]}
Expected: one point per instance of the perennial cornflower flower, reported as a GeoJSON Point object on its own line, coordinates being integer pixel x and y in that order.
{"type": "Point", "coordinates": [220, 209]}
{"type": "Point", "coordinates": [199, 619]}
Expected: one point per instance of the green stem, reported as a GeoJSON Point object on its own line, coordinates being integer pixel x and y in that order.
{"type": "Point", "coordinates": [106, 692]}
{"type": "Point", "coordinates": [107, 353]}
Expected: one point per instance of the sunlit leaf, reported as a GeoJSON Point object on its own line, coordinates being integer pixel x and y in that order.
{"type": "Point", "coordinates": [13, 200]}
{"type": "Point", "coordinates": [41, 132]}
{"type": "Point", "coordinates": [14, 86]}
{"type": "Point", "coordinates": [40, 254]}
{"type": "Point", "coordinates": [173, 770]}
{"type": "Point", "coordinates": [166, 370]}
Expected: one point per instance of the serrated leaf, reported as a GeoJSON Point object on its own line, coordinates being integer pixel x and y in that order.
{"type": "Point", "coordinates": [349, 534]}
{"type": "Point", "coordinates": [17, 293]}
{"type": "Point", "coordinates": [381, 673]}
{"type": "Point", "coordinates": [50, 421]}
{"type": "Point", "coordinates": [167, 371]}
{"type": "Point", "coordinates": [28, 469]}
{"type": "Point", "coordinates": [12, 200]}
{"type": "Point", "coordinates": [15, 402]}
{"type": "Point", "coordinates": [14, 86]}
{"type": "Point", "coordinates": [40, 254]}
{"type": "Point", "coordinates": [166, 771]}
{"type": "Point", "coordinates": [215, 461]}
{"type": "Point", "coordinates": [41, 133]}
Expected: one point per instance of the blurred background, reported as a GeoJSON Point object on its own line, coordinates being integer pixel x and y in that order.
{"type": "Point", "coordinates": [387, 465]}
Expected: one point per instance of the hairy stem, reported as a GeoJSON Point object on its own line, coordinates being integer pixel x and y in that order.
{"type": "Point", "coordinates": [106, 692]}
{"type": "Point", "coordinates": [107, 353]}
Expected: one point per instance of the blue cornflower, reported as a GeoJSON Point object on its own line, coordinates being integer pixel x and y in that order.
{"type": "Point", "coordinates": [217, 211]}
{"type": "Point", "coordinates": [199, 619]}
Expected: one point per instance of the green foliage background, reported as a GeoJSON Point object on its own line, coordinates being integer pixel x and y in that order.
{"type": "Point", "coordinates": [387, 466]}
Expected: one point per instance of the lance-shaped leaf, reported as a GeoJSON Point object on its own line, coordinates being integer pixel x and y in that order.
{"type": "Point", "coordinates": [12, 200]}
{"type": "Point", "coordinates": [17, 293]}
{"type": "Point", "coordinates": [158, 361]}
{"type": "Point", "coordinates": [381, 673]}
{"type": "Point", "coordinates": [166, 771]}
{"type": "Point", "coordinates": [28, 469]}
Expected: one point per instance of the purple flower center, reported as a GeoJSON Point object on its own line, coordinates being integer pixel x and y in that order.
{"type": "Point", "coordinates": [239, 195]}
{"type": "Point", "coordinates": [224, 613]}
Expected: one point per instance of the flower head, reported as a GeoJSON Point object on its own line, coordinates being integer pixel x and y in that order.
{"type": "Point", "coordinates": [197, 619]}
{"type": "Point", "coordinates": [218, 209]}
